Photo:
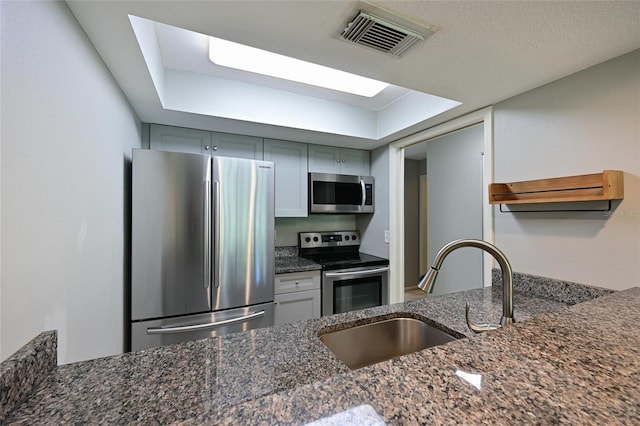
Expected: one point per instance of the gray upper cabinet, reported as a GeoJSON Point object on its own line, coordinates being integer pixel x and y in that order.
{"type": "Point", "coordinates": [291, 176]}
{"type": "Point", "coordinates": [181, 139]}
{"type": "Point", "coordinates": [178, 139]}
{"type": "Point", "coordinates": [239, 146]}
{"type": "Point", "coordinates": [331, 159]}
{"type": "Point", "coordinates": [354, 162]}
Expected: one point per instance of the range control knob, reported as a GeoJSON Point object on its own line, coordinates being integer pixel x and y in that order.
{"type": "Point", "coordinates": [315, 239]}
{"type": "Point", "coordinates": [346, 237]}
{"type": "Point", "coordinates": [353, 237]}
{"type": "Point", "coordinates": [307, 239]}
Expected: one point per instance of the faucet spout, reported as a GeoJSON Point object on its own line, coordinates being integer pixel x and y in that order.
{"type": "Point", "coordinates": [428, 281]}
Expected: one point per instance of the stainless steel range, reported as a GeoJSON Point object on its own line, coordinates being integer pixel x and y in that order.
{"type": "Point", "coordinates": [351, 280]}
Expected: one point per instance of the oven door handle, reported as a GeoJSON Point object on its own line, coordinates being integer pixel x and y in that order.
{"type": "Point", "coordinates": [365, 272]}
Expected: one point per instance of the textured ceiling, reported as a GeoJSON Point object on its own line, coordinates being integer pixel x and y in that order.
{"type": "Point", "coordinates": [483, 52]}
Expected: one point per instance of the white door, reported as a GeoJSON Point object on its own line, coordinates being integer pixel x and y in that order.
{"type": "Point", "coordinates": [454, 206]}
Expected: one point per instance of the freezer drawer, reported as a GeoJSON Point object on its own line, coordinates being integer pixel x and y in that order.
{"type": "Point", "coordinates": [161, 332]}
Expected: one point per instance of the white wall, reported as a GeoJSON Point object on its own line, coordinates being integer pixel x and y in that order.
{"type": "Point", "coordinates": [581, 124]}
{"type": "Point", "coordinates": [67, 133]}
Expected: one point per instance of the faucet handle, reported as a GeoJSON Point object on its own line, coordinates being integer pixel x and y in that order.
{"type": "Point", "coordinates": [478, 328]}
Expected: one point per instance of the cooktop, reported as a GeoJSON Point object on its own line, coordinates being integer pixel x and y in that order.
{"type": "Point", "coordinates": [336, 250]}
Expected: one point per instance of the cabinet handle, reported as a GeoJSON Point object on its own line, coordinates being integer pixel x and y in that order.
{"type": "Point", "coordinates": [215, 147]}
{"type": "Point", "coordinates": [338, 160]}
{"type": "Point", "coordinates": [207, 147]}
{"type": "Point", "coordinates": [343, 161]}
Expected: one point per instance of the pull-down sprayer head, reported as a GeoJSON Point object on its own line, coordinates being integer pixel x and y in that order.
{"type": "Point", "coordinates": [429, 279]}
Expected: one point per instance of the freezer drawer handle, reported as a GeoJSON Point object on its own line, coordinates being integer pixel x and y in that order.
{"type": "Point", "coordinates": [366, 272]}
{"type": "Point", "coordinates": [199, 327]}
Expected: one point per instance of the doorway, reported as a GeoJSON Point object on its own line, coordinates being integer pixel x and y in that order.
{"type": "Point", "coordinates": [451, 166]}
{"type": "Point", "coordinates": [397, 152]}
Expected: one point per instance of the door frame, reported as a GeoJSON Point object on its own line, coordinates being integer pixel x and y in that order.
{"type": "Point", "coordinates": [396, 194]}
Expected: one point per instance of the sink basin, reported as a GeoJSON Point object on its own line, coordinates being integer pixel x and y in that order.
{"type": "Point", "coordinates": [382, 340]}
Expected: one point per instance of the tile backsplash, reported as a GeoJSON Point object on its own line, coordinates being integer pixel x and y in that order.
{"type": "Point", "coordinates": [287, 228]}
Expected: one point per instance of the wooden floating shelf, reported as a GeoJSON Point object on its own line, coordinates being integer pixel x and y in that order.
{"type": "Point", "coordinates": [607, 185]}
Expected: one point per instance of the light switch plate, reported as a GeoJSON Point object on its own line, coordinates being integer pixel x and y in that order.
{"type": "Point", "coordinates": [387, 236]}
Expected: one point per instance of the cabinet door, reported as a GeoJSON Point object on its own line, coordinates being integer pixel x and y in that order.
{"type": "Point", "coordinates": [178, 139]}
{"type": "Point", "coordinates": [239, 146]}
{"type": "Point", "coordinates": [324, 159]}
{"type": "Point", "coordinates": [354, 162]}
{"type": "Point", "coordinates": [346, 161]}
{"type": "Point", "coordinates": [297, 281]}
{"type": "Point", "coordinates": [290, 159]}
{"type": "Point", "coordinates": [297, 306]}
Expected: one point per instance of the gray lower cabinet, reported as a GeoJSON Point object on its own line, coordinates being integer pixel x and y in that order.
{"type": "Point", "coordinates": [297, 296]}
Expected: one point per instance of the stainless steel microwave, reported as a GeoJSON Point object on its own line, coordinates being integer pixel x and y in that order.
{"type": "Point", "coordinates": [331, 193]}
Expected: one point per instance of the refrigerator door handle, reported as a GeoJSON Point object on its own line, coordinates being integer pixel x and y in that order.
{"type": "Point", "coordinates": [207, 233]}
{"type": "Point", "coordinates": [200, 327]}
{"type": "Point", "coordinates": [216, 234]}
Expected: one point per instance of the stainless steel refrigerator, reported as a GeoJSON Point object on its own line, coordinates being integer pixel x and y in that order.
{"type": "Point", "coordinates": [202, 255]}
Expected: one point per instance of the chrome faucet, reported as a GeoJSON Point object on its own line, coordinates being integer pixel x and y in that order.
{"type": "Point", "coordinates": [429, 279]}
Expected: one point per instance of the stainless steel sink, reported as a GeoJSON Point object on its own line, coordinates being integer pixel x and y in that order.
{"type": "Point", "coordinates": [382, 340]}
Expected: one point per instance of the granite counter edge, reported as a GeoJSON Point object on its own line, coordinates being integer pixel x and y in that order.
{"type": "Point", "coordinates": [25, 370]}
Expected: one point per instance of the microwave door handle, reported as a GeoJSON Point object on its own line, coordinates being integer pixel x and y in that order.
{"type": "Point", "coordinates": [366, 272]}
{"type": "Point", "coordinates": [364, 192]}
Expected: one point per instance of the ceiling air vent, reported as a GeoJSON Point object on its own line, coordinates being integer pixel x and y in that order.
{"type": "Point", "coordinates": [381, 34]}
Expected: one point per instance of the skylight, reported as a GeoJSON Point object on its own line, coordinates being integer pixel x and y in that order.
{"type": "Point", "coordinates": [238, 56]}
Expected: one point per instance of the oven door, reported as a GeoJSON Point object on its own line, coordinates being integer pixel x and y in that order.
{"type": "Point", "coordinates": [352, 289]}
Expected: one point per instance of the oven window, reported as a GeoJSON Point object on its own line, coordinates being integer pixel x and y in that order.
{"type": "Point", "coordinates": [359, 293]}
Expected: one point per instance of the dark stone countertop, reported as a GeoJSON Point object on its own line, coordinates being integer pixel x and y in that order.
{"type": "Point", "coordinates": [575, 366]}
{"type": "Point", "coordinates": [572, 365]}
{"type": "Point", "coordinates": [288, 264]}
{"type": "Point", "coordinates": [287, 260]}
{"type": "Point", "coordinates": [25, 369]}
